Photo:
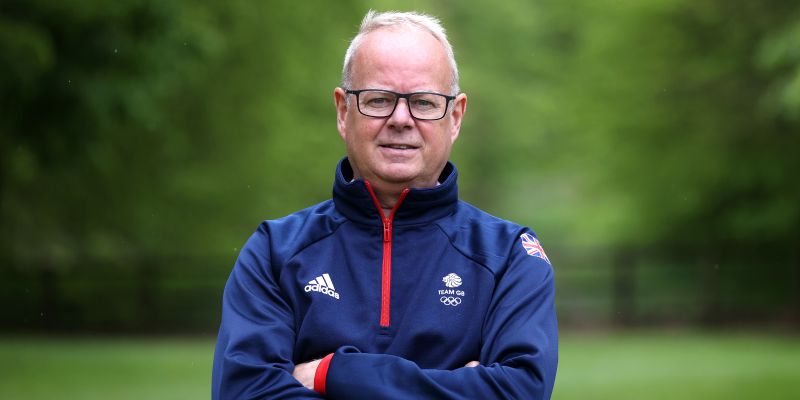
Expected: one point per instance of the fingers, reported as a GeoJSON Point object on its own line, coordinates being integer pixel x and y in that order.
{"type": "Point", "coordinates": [472, 364]}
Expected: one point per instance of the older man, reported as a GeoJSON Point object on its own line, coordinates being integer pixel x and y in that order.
{"type": "Point", "coordinates": [394, 288]}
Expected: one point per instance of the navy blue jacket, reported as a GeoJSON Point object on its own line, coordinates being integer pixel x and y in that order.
{"type": "Point", "coordinates": [396, 304]}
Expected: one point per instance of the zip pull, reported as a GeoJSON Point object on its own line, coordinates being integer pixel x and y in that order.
{"type": "Point", "coordinates": [387, 230]}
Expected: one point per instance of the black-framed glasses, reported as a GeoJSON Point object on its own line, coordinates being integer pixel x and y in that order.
{"type": "Point", "coordinates": [380, 103]}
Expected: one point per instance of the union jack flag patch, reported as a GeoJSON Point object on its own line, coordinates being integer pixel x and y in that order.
{"type": "Point", "coordinates": [533, 247]}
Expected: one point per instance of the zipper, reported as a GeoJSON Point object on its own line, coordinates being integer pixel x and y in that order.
{"type": "Point", "coordinates": [386, 265]}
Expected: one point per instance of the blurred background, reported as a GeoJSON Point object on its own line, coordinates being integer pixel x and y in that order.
{"type": "Point", "coordinates": [652, 146]}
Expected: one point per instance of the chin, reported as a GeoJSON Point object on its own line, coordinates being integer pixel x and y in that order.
{"type": "Point", "coordinates": [399, 175]}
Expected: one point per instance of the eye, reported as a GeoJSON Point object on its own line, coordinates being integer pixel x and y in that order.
{"type": "Point", "coordinates": [377, 101]}
{"type": "Point", "coordinates": [424, 102]}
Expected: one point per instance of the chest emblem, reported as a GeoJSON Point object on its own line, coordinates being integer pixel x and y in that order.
{"type": "Point", "coordinates": [452, 280]}
{"type": "Point", "coordinates": [322, 284]}
{"type": "Point", "coordinates": [451, 296]}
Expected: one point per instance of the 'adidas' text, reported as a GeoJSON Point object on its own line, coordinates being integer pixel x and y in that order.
{"type": "Point", "coordinates": [322, 284]}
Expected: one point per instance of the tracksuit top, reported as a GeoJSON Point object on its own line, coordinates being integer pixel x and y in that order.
{"type": "Point", "coordinates": [395, 305]}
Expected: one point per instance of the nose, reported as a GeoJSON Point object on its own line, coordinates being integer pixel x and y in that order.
{"type": "Point", "coordinates": [401, 118]}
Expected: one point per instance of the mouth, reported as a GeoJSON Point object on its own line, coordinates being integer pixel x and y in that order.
{"type": "Point", "coordinates": [399, 146]}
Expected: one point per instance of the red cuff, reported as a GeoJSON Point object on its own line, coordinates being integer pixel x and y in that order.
{"type": "Point", "coordinates": [321, 374]}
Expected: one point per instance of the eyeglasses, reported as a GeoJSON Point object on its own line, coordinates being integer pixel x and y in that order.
{"type": "Point", "coordinates": [381, 103]}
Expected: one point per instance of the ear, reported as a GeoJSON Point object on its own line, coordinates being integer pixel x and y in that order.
{"type": "Point", "coordinates": [340, 100]}
{"type": "Point", "coordinates": [459, 109]}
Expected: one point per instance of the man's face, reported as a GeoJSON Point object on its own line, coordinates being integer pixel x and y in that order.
{"type": "Point", "coordinates": [398, 150]}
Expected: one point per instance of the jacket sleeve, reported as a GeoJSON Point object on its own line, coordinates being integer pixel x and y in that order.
{"type": "Point", "coordinates": [519, 354]}
{"type": "Point", "coordinates": [253, 356]}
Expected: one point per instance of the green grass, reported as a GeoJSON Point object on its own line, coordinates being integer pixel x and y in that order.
{"type": "Point", "coordinates": [86, 369]}
{"type": "Point", "coordinates": [681, 365]}
{"type": "Point", "coordinates": [593, 366]}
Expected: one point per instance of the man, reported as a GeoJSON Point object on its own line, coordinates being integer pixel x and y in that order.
{"type": "Point", "coordinates": [394, 288]}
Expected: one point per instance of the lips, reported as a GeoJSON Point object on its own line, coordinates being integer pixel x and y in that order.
{"type": "Point", "coordinates": [397, 146]}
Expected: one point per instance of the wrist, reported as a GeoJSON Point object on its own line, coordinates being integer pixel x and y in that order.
{"type": "Point", "coordinates": [321, 374]}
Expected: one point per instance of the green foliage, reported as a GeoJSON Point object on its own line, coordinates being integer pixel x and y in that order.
{"type": "Point", "coordinates": [685, 146]}
{"type": "Point", "coordinates": [138, 133]}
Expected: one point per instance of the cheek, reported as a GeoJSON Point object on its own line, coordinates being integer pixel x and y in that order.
{"type": "Point", "coordinates": [439, 139]}
{"type": "Point", "coordinates": [361, 134]}
{"type": "Point", "coordinates": [365, 128]}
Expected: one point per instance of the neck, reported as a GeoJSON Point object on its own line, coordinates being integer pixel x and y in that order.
{"type": "Point", "coordinates": [387, 195]}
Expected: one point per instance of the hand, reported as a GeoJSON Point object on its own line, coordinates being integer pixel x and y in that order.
{"type": "Point", "coordinates": [472, 364]}
{"type": "Point", "coordinates": [304, 373]}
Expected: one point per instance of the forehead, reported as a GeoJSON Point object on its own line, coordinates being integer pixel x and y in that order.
{"type": "Point", "coordinates": [401, 59]}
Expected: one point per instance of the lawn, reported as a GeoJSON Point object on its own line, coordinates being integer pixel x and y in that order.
{"type": "Point", "coordinates": [678, 365]}
{"type": "Point", "coordinates": [105, 368]}
{"type": "Point", "coordinates": [593, 366]}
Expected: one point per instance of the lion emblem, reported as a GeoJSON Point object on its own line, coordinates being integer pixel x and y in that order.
{"type": "Point", "coordinates": [452, 280]}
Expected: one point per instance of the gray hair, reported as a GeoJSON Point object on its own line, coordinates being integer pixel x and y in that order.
{"type": "Point", "coordinates": [375, 20]}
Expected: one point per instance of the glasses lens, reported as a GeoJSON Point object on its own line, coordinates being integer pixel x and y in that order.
{"type": "Point", "coordinates": [427, 105]}
{"type": "Point", "coordinates": [376, 103]}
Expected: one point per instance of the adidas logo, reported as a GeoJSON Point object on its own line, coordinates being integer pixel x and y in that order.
{"type": "Point", "coordinates": [322, 284]}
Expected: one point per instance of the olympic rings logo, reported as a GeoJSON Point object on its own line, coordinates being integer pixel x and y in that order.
{"type": "Point", "coordinates": [450, 301]}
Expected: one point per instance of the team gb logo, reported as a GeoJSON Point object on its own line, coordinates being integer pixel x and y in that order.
{"type": "Point", "coordinates": [452, 280]}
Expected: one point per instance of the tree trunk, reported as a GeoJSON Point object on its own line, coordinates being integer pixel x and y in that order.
{"type": "Point", "coordinates": [710, 296]}
{"type": "Point", "coordinates": [48, 302]}
{"type": "Point", "coordinates": [147, 295]}
{"type": "Point", "coordinates": [624, 288]}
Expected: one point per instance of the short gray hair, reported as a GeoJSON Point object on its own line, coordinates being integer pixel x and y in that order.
{"type": "Point", "coordinates": [375, 20]}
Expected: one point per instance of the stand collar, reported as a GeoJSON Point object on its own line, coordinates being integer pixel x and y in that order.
{"type": "Point", "coordinates": [353, 200]}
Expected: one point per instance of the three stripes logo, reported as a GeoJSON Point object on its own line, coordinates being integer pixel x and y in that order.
{"type": "Point", "coordinates": [322, 284]}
